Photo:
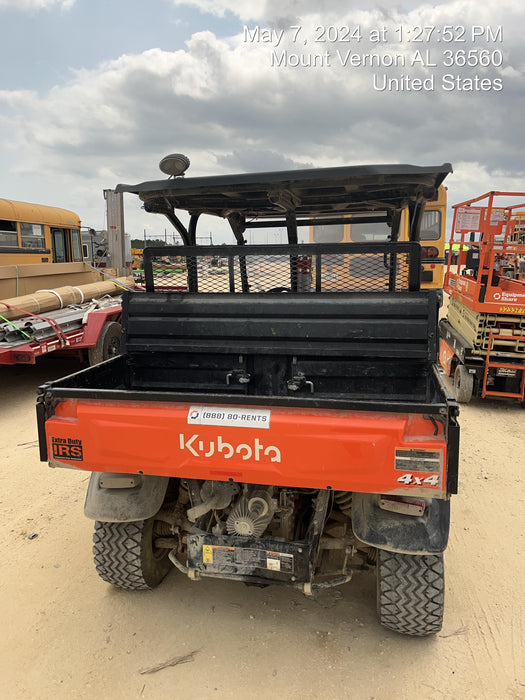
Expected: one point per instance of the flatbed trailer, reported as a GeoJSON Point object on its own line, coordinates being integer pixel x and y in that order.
{"type": "Point", "coordinates": [89, 330]}
{"type": "Point", "coordinates": [291, 432]}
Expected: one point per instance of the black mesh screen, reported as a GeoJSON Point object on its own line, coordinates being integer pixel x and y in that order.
{"type": "Point", "coordinates": [367, 267]}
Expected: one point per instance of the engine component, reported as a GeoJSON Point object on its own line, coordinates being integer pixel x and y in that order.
{"type": "Point", "coordinates": [215, 495]}
{"type": "Point", "coordinates": [242, 521]}
{"type": "Point", "coordinates": [251, 515]}
{"type": "Point", "coordinates": [286, 514]}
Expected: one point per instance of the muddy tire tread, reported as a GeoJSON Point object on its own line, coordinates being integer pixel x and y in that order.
{"type": "Point", "coordinates": [411, 592]}
{"type": "Point", "coordinates": [118, 551]}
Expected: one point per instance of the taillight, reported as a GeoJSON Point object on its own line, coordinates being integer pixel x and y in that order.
{"type": "Point", "coordinates": [22, 357]}
{"type": "Point", "coordinates": [304, 264]}
{"type": "Point", "coordinates": [429, 251]}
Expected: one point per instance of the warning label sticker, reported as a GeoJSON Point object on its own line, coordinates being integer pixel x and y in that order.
{"type": "Point", "coordinates": [258, 558]}
{"type": "Point", "coordinates": [468, 218]}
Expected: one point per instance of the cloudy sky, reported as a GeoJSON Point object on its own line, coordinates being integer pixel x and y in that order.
{"type": "Point", "coordinates": [96, 92]}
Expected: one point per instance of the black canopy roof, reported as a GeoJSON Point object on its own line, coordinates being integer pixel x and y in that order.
{"type": "Point", "coordinates": [308, 193]}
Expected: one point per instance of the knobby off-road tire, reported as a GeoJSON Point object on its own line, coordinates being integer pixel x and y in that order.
{"type": "Point", "coordinates": [463, 384]}
{"type": "Point", "coordinates": [410, 592]}
{"type": "Point", "coordinates": [108, 343]}
{"type": "Point", "coordinates": [125, 555]}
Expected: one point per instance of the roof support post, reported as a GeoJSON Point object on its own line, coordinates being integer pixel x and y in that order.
{"type": "Point", "coordinates": [238, 225]}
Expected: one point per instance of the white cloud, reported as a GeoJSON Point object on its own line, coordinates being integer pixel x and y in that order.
{"type": "Point", "coordinates": [35, 5]}
{"type": "Point", "coordinates": [452, 12]}
{"type": "Point", "coordinates": [220, 101]}
{"type": "Point", "coordinates": [269, 10]}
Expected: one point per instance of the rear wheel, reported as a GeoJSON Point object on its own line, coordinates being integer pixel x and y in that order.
{"type": "Point", "coordinates": [125, 555]}
{"type": "Point", "coordinates": [410, 592]}
{"type": "Point", "coordinates": [463, 384]}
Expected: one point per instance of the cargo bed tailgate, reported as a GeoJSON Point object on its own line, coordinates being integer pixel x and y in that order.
{"type": "Point", "coordinates": [344, 450]}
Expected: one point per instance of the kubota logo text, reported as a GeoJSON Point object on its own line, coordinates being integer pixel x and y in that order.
{"type": "Point", "coordinates": [208, 448]}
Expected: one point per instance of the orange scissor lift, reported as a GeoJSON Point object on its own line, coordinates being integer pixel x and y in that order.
{"type": "Point", "coordinates": [482, 339]}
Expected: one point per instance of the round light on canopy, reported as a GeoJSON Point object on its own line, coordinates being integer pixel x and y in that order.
{"type": "Point", "coordinates": [175, 164]}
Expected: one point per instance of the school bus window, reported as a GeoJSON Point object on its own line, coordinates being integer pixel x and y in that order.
{"type": "Point", "coordinates": [32, 235]}
{"type": "Point", "coordinates": [59, 245]}
{"type": "Point", "coordinates": [370, 233]}
{"type": "Point", "coordinates": [77, 246]}
{"type": "Point", "coordinates": [430, 226]}
{"type": "Point", "coordinates": [334, 259]}
{"type": "Point", "coordinates": [333, 233]}
{"type": "Point", "coordinates": [8, 233]}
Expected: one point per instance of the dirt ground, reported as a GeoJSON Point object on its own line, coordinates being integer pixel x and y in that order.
{"type": "Point", "coordinates": [67, 634]}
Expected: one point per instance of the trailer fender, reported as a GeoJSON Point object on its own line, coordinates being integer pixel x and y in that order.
{"type": "Point", "coordinates": [121, 498]}
{"type": "Point", "coordinates": [397, 532]}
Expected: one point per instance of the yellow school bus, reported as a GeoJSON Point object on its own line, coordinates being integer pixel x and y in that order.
{"type": "Point", "coordinates": [35, 233]}
{"type": "Point", "coordinates": [432, 237]}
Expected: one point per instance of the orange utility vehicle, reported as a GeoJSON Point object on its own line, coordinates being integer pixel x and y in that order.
{"type": "Point", "coordinates": [291, 431]}
{"type": "Point", "coordinates": [483, 337]}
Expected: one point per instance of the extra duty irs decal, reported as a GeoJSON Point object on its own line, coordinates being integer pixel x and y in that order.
{"type": "Point", "coordinates": [67, 448]}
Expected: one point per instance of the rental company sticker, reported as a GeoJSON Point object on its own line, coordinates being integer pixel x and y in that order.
{"type": "Point", "coordinates": [235, 417]}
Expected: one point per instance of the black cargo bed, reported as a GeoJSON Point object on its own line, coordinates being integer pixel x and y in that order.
{"type": "Point", "coordinates": [110, 382]}
{"type": "Point", "coordinates": [348, 351]}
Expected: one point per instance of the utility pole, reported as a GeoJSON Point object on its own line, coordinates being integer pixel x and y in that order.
{"type": "Point", "coordinates": [116, 241]}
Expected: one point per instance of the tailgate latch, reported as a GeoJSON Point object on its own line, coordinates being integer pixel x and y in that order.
{"type": "Point", "coordinates": [238, 376]}
{"type": "Point", "coordinates": [298, 381]}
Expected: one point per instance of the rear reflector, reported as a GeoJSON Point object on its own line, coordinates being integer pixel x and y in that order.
{"type": "Point", "coordinates": [400, 504]}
